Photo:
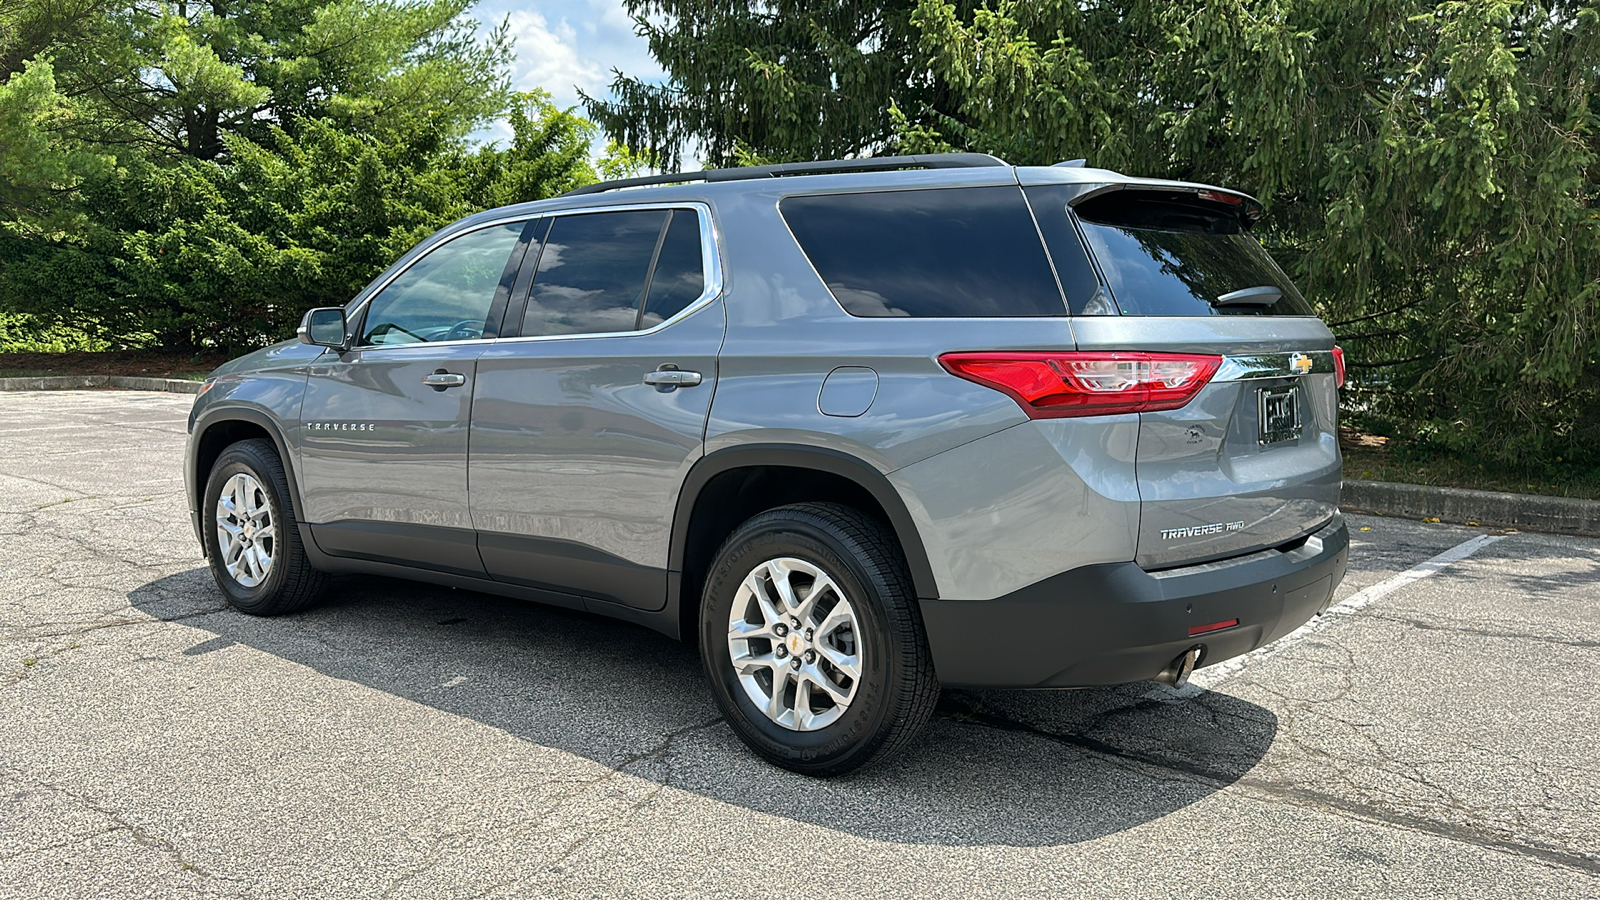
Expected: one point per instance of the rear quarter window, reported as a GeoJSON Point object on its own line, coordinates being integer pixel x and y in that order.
{"type": "Point", "coordinates": [948, 252]}
{"type": "Point", "coordinates": [1174, 254]}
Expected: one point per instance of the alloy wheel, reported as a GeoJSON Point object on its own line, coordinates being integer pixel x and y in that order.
{"type": "Point", "coordinates": [246, 533]}
{"type": "Point", "coordinates": [794, 641]}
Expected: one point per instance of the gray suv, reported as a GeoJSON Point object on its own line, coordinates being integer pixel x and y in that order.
{"type": "Point", "coordinates": [858, 428]}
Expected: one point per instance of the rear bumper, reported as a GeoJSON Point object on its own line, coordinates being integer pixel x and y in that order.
{"type": "Point", "coordinates": [1115, 623]}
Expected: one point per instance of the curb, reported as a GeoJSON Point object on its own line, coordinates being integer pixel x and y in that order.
{"type": "Point", "coordinates": [79, 382]}
{"type": "Point", "coordinates": [1527, 512]}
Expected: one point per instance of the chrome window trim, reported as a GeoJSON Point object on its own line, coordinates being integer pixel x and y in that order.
{"type": "Point", "coordinates": [710, 268]}
{"type": "Point", "coordinates": [358, 314]}
{"type": "Point", "coordinates": [1251, 366]}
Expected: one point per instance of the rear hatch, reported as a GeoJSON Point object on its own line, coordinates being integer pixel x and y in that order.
{"type": "Point", "coordinates": [1252, 462]}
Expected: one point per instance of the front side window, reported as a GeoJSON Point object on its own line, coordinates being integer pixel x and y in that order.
{"type": "Point", "coordinates": [447, 294]}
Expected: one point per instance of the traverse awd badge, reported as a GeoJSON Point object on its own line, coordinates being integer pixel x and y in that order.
{"type": "Point", "coordinates": [1172, 534]}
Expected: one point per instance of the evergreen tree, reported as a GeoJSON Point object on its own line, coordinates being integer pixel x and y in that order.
{"type": "Point", "coordinates": [174, 77]}
{"type": "Point", "coordinates": [185, 174]}
{"type": "Point", "coordinates": [1431, 167]}
{"type": "Point", "coordinates": [231, 252]}
{"type": "Point", "coordinates": [778, 81]}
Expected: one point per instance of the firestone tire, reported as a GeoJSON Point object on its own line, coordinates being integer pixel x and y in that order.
{"type": "Point", "coordinates": [251, 536]}
{"type": "Point", "coordinates": [811, 593]}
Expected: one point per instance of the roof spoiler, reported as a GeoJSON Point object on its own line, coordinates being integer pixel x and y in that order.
{"type": "Point", "coordinates": [1250, 209]}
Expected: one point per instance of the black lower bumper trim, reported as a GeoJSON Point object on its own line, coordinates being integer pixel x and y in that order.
{"type": "Point", "coordinates": [1116, 623]}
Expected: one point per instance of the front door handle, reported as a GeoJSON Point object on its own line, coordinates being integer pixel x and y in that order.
{"type": "Point", "coordinates": [668, 379]}
{"type": "Point", "coordinates": [441, 379]}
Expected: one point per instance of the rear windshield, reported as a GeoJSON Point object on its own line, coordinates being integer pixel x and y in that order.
{"type": "Point", "coordinates": [1174, 254]}
{"type": "Point", "coordinates": [959, 252]}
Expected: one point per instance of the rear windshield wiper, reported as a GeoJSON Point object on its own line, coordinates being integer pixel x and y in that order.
{"type": "Point", "coordinates": [1264, 295]}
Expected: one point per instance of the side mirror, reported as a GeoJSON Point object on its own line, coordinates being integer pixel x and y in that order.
{"type": "Point", "coordinates": [325, 327]}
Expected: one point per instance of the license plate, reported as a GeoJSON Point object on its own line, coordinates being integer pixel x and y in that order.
{"type": "Point", "coordinates": [1280, 414]}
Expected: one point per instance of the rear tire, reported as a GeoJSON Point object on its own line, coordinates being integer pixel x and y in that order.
{"type": "Point", "coordinates": [252, 536]}
{"type": "Point", "coordinates": [813, 642]}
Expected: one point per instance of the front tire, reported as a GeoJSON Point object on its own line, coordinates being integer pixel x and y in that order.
{"type": "Point", "coordinates": [251, 534]}
{"type": "Point", "coordinates": [812, 640]}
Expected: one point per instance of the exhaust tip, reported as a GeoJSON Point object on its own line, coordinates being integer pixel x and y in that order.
{"type": "Point", "coordinates": [1178, 671]}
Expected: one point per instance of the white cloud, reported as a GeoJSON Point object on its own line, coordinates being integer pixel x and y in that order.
{"type": "Point", "coordinates": [566, 46]}
{"type": "Point", "coordinates": [549, 57]}
{"type": "Point", "coordinates": [572, 45]}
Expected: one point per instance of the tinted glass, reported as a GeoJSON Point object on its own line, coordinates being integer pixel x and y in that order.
{"type": "Point", "coordinates": [679, 279]}
{"type": "Point", "coordinates": [1165, 255]}
{"type": "Point", "coordinates": [949, 252]}
{"type": "Point", "coordinates": [592, 272]}
{"type": "Point", "coordinates": [1085, 296]}
{"type": "Point", "coordinates": [446, 295]}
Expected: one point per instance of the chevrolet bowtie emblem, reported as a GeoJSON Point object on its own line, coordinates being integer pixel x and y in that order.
{"type": "Point", "coordinates": [1300, 363]}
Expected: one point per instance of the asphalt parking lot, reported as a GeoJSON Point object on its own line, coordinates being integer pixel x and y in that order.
{"type": "Point", "coordinates": [410, 741]}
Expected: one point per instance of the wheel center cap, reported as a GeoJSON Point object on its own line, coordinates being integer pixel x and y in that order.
{"type": "Point", "coordinates": [797, 643]}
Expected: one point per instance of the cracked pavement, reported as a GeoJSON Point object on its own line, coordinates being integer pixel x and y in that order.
{"type": "Point", "coordinates": [403, 740]}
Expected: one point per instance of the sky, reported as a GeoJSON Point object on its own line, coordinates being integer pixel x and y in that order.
{"type": "Point", "coordinates": [565, 45]}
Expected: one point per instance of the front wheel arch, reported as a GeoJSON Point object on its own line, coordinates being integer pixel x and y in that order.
{"type": "Point", "coordinates": [217, 429]}
{"type": "Point", "coordinates": [288, 581]}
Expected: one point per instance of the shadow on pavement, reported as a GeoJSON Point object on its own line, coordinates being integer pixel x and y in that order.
{"type": "Point", "coordinates": [1009, 768]}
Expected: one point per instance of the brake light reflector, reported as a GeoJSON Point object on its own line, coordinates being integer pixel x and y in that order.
{"type": "Point", "coordinates": [1058, 385]}
{"type": "Point", "coordinates": [1214, 626]}
{"type": "Point", "coordinates": [1338, 366]}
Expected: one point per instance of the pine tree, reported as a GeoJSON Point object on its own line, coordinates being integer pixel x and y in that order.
{"type": "Point", "coordinates": [1431, 167]}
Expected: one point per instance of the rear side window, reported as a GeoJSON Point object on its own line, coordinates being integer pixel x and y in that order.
{"type": "Point", "coordinates": [962, 252]}
{"type": "Point", "coordinates": [611, 272]}
{"type": "Point", "coordinates": [1085, 296]}
{"type": "Point", "coordinates": [679, 277]}
{"type": "Point", "coordinates": [592, 273]}
{"type": "Point", "coordinates": [1175, 254]}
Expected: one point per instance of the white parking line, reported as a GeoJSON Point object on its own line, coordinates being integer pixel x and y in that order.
{"type": "Point", "coordinates": [7, 432]}
{"type": "Point", "coordinates": [1210, 676]}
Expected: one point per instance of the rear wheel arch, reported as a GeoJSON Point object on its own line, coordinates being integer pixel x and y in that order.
{"type": "Point", "coordinates": [727, 487]}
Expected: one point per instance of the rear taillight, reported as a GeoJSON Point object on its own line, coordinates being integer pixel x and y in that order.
{"type": "Point", "coordinates": [1055, 385]}
{"type": "Point", "coordinates": [1338, 366]}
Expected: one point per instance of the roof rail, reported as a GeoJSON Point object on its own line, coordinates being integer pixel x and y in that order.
{"type": "Point", "coordinates": [823, 167]}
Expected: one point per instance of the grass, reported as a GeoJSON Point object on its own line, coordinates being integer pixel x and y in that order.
{"type": "Point", "coordinates": [1372, 458]}
{"type": "Point", "coordinates": [21, 334]}
{"type": "Point", "coordinates": [29, 349]}
{"type": "Point", "coordinates": [184, 374]}
{"type": "Point", "coordinates": [139, 363]}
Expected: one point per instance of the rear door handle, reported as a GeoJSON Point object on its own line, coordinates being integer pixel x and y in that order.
{"type": "Point", "coordinates": [667, 379]}
{"type": "Point", "coordinates": [441, 379]}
